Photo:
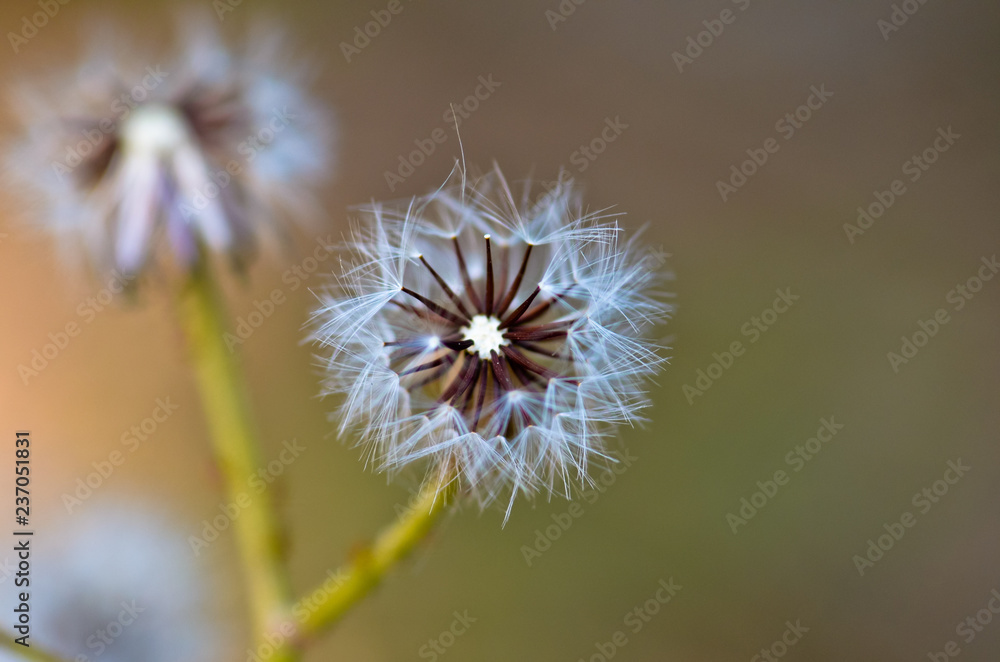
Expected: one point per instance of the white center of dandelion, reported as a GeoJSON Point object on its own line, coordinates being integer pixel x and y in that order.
{"type": "Point", "coordinates": [154, 129]}
{"type": "Point", "coordinates": [485, 334]}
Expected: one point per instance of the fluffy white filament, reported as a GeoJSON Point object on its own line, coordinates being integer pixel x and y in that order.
{"type": "Point", "coordinates": [514, 395]}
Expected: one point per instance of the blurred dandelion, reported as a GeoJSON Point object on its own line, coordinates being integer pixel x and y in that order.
{"type": "Point", "coordinates": [167, 162]}
{"type": "Point", "coordinates": [201, 151]}
{"type": "Point", "coordinates": [498, 339]}
{"type": "Point", "coordinates": [120, 583]}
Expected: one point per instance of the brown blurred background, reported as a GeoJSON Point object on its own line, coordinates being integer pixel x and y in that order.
{"type": "Point", "coordinates": [666, 515]}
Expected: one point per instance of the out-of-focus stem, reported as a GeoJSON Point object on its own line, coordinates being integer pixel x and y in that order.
{"type": "Point", "coordinates": [32, 652]}
{"type": "Point", "coordinates": [221, 386]}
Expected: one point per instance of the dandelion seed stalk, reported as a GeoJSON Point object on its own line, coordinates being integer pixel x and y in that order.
{"type": "Point", "coordinates": [221, 385]}
{"type": "Point", "coordinates": [371, 565]}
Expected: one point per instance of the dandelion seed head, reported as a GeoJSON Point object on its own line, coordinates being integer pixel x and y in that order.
{"type": "Point", "coordinates": [142, 158]}
{"type": "Point", "coordinates": [492, 340]}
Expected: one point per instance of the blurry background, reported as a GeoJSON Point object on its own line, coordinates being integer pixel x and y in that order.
{"type": "Point", "coordinates": [666, 515]}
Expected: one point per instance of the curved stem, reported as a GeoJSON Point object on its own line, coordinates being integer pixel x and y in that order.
{"type": "Point", "coordinates": [32, 652]}
{"type": "Point", "coordinates": [221, 386]}
{"type": "Point", "coordinates": [365, 572]}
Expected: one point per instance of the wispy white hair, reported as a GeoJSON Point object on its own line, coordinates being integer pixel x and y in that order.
{"type": "Point", "coordinates": [413, 340]}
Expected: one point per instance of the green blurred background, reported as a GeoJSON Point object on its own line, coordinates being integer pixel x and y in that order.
{"type": "Point", "coordinates": [665, 516]}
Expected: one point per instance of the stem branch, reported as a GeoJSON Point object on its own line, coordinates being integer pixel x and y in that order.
{"type": "Point", "coordinates": [358, 577]}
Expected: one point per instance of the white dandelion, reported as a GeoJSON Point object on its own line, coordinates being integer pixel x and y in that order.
{"type": "Point", "coordinates": [495, 340]}
{"type": "Point", "coordinates": [135, 155]}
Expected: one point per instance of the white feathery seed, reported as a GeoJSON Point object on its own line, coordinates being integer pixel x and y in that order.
{"type": "Point", "coordinates": [489, 339]}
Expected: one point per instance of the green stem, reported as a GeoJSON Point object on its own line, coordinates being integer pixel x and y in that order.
{"type": "Point", "coordinates": [369, 566]}
{"type": "Point", "coordinates": [32, 652]}
{"type": "Point", "coordinates": [221, 386]}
